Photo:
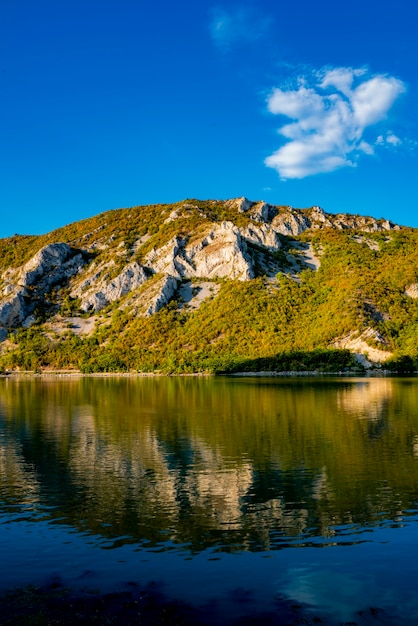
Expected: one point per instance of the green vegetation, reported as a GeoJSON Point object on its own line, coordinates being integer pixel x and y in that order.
{"type": "Point", "coordinates": [259, 324]}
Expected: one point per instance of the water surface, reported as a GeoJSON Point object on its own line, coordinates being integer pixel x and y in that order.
{"type": "Point", "coordinates": [234, 492]}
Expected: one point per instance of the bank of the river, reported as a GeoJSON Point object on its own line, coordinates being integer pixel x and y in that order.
{"type": "Point", "coordinates": [78, 374]}
{"type": "Point", "coordinates": [262, 374]}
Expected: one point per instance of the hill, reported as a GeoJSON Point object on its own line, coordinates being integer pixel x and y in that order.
{"type": "Point", "coordinates": [211, 286]}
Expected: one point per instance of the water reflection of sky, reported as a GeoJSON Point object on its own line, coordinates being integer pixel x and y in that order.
{"type": "Point", "coordinates": [335, 582]}
{"type": "Point", "coordinates": [210, 487]}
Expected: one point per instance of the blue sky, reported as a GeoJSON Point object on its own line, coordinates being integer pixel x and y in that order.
{"type": "Point", "coordinates": [108, 104]}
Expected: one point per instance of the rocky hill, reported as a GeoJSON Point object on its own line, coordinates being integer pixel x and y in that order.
{"type": "Point", "coordinates": [215, 285]}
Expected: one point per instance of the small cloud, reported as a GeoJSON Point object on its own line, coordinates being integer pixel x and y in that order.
{"type": "Point", "coordinates": [390, 138]}
{"type": "Point", "coordinates": [331, 113]}
{"type": "Point", "coordinates": [365, 147]}
{"type": "Point", "coordinates": [393, 139]}
{"type": "Point", "coordinates": [242, 24]}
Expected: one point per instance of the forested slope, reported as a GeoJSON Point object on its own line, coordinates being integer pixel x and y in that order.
{"type": "Point", "coordinates": [211, 286]}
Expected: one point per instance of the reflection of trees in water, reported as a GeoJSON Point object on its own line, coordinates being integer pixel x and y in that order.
{"type": "Point", "coordinates": [209, 462]}
{"type": "Point", "coordinates": [19, 485]}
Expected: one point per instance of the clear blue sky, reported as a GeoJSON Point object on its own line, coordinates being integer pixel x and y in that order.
{"type": "Point", "coordinates": [115, 103]}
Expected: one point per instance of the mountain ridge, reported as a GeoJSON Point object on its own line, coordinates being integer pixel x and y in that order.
{"type": "Point", "coordinates": [154, 261]}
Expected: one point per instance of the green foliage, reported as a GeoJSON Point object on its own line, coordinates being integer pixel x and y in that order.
{"type": "Point", "coordinates": [298, 361]}
{"type": "Point", "coordinates": [401, 365]}
{"type": "Point", "coordinates": [70, 306]}
{"type": "Point", "coordinates": [286, 324]}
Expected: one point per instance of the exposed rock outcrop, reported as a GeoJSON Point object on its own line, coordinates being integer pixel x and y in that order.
{"type": "Point", "coordinates": [170, 259]}
{"type": "Point", "coordinates": [49, 266]}
{"type": "Point", "coordinates": [412, 290]}
{"type": "Point", "coordinates": [95, 293]}
{"type": "Point", "coordinates": [209, 250]}
{"type": "Point", "coordinates": [293, 222]}
{"type": "Point", "coordinates": [366, 355]}
{"type": "Point", "coordinates": [152, 296]}
{"type": "Point", "coordinates": [262, 212]}
{"type": "Point", "coordinates": [240, 204]}
{"type": "Point", "coordinates": [25, 287]}
{"type": "Point", "coordinates": [15, 308]}
{"type": "Point", "coordinates": [261, 235]}
{"type": "Point", "coordinates": [290, 223]}
{"type": "Point", "coordinates": [221, 253]}
{"type": "Point", "coordinates": [166, 290]}
{"type": "Point", "coordinates": [257, 211]}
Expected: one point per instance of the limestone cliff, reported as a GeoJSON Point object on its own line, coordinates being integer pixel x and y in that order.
{"type": "Point", "coordinates": [97, 290]}
{"type": "Point", "coordinates": [140, 259]}
{"type": "Point", "coordinates": [25, 287]}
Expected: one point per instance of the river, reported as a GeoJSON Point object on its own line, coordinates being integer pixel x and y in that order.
{"type": "Point", "coordinates": [242, 494]}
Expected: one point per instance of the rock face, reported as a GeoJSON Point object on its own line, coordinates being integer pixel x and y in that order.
{"type": "Point", "coordinates": [261, 235]}
{"type": "Point", "coordinates": [221, 252]}
{"type": "Point", "coordinates": [152, 296]}
{"type": "Point", "coordinates": [165, 291]}
{"type": "Point", "coordinates": [97, 292]}
{"type": "Point", "coordinates": [240, 204]}
{"type": "Point", "coordinates": [49, 265]}
{"type": "Point", "coordinates": [293, 222]}
{"type": "Point", "coordinates": [53, 264]}
{"type": "Point", "coordinates": [290, 223]}
{"type": "Point", "coordinates": [258, 211]}
{"type": "Point", "coordinates": [208, 249]}
{"type": "Point", "coordinates": [170, 259]}
{"type": "Point", "coordinates": [366, 354]}
{"type": "Point", "coordinates": [412, 290]}
{"type": "Point", "coordinates": [15, 308]}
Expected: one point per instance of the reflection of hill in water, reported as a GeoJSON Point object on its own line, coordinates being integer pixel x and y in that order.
{"type": "Point", "coordinates": [367, 399]}
{"type": "Point", "coordinates": [209, 461]}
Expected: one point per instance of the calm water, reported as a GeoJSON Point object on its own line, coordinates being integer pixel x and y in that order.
{"type": "Point", "coordinates": [233, 493]}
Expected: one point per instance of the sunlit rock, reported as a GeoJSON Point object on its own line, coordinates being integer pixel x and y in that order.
{"type": "Point", "coordinates": [221, 253]}
{"type": "Point", "coordinates": [290, 223]}
{"type": "Point", "coordinates": [98, 291]}
{"type": "Point", "coordinates": [52, 264]}
{"type": "Point", "coordinates": [170, 259]}
{"type": "Point", "coordinates": [365, 354]}
{"type": "Point", "coordinates": [152, 296]}
{"type": "Point", "coordinates": [412, 290]}
{"type": "Point", "coordinates": [261, 235]}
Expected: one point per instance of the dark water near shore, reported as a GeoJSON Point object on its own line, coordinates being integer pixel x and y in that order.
{"type": "Point", "coordinates": [233, 493]}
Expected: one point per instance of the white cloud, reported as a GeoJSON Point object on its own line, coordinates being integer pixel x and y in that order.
{"type": "Point", "coordinates": [393, 139]}
{"type": "Point", "coordinates": [390, 138]}
{"type": "Point", "coordinates": [330, 118]}
{"type": "Point", "coordinates": [341, 78]}
{"type": "Point", "coordinates": [242, 24]}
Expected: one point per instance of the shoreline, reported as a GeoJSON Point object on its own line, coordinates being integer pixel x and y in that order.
{"type": "Point", "coordinates": [78, 374]}
{"type": "Point", "coordinates": [252, 374]}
